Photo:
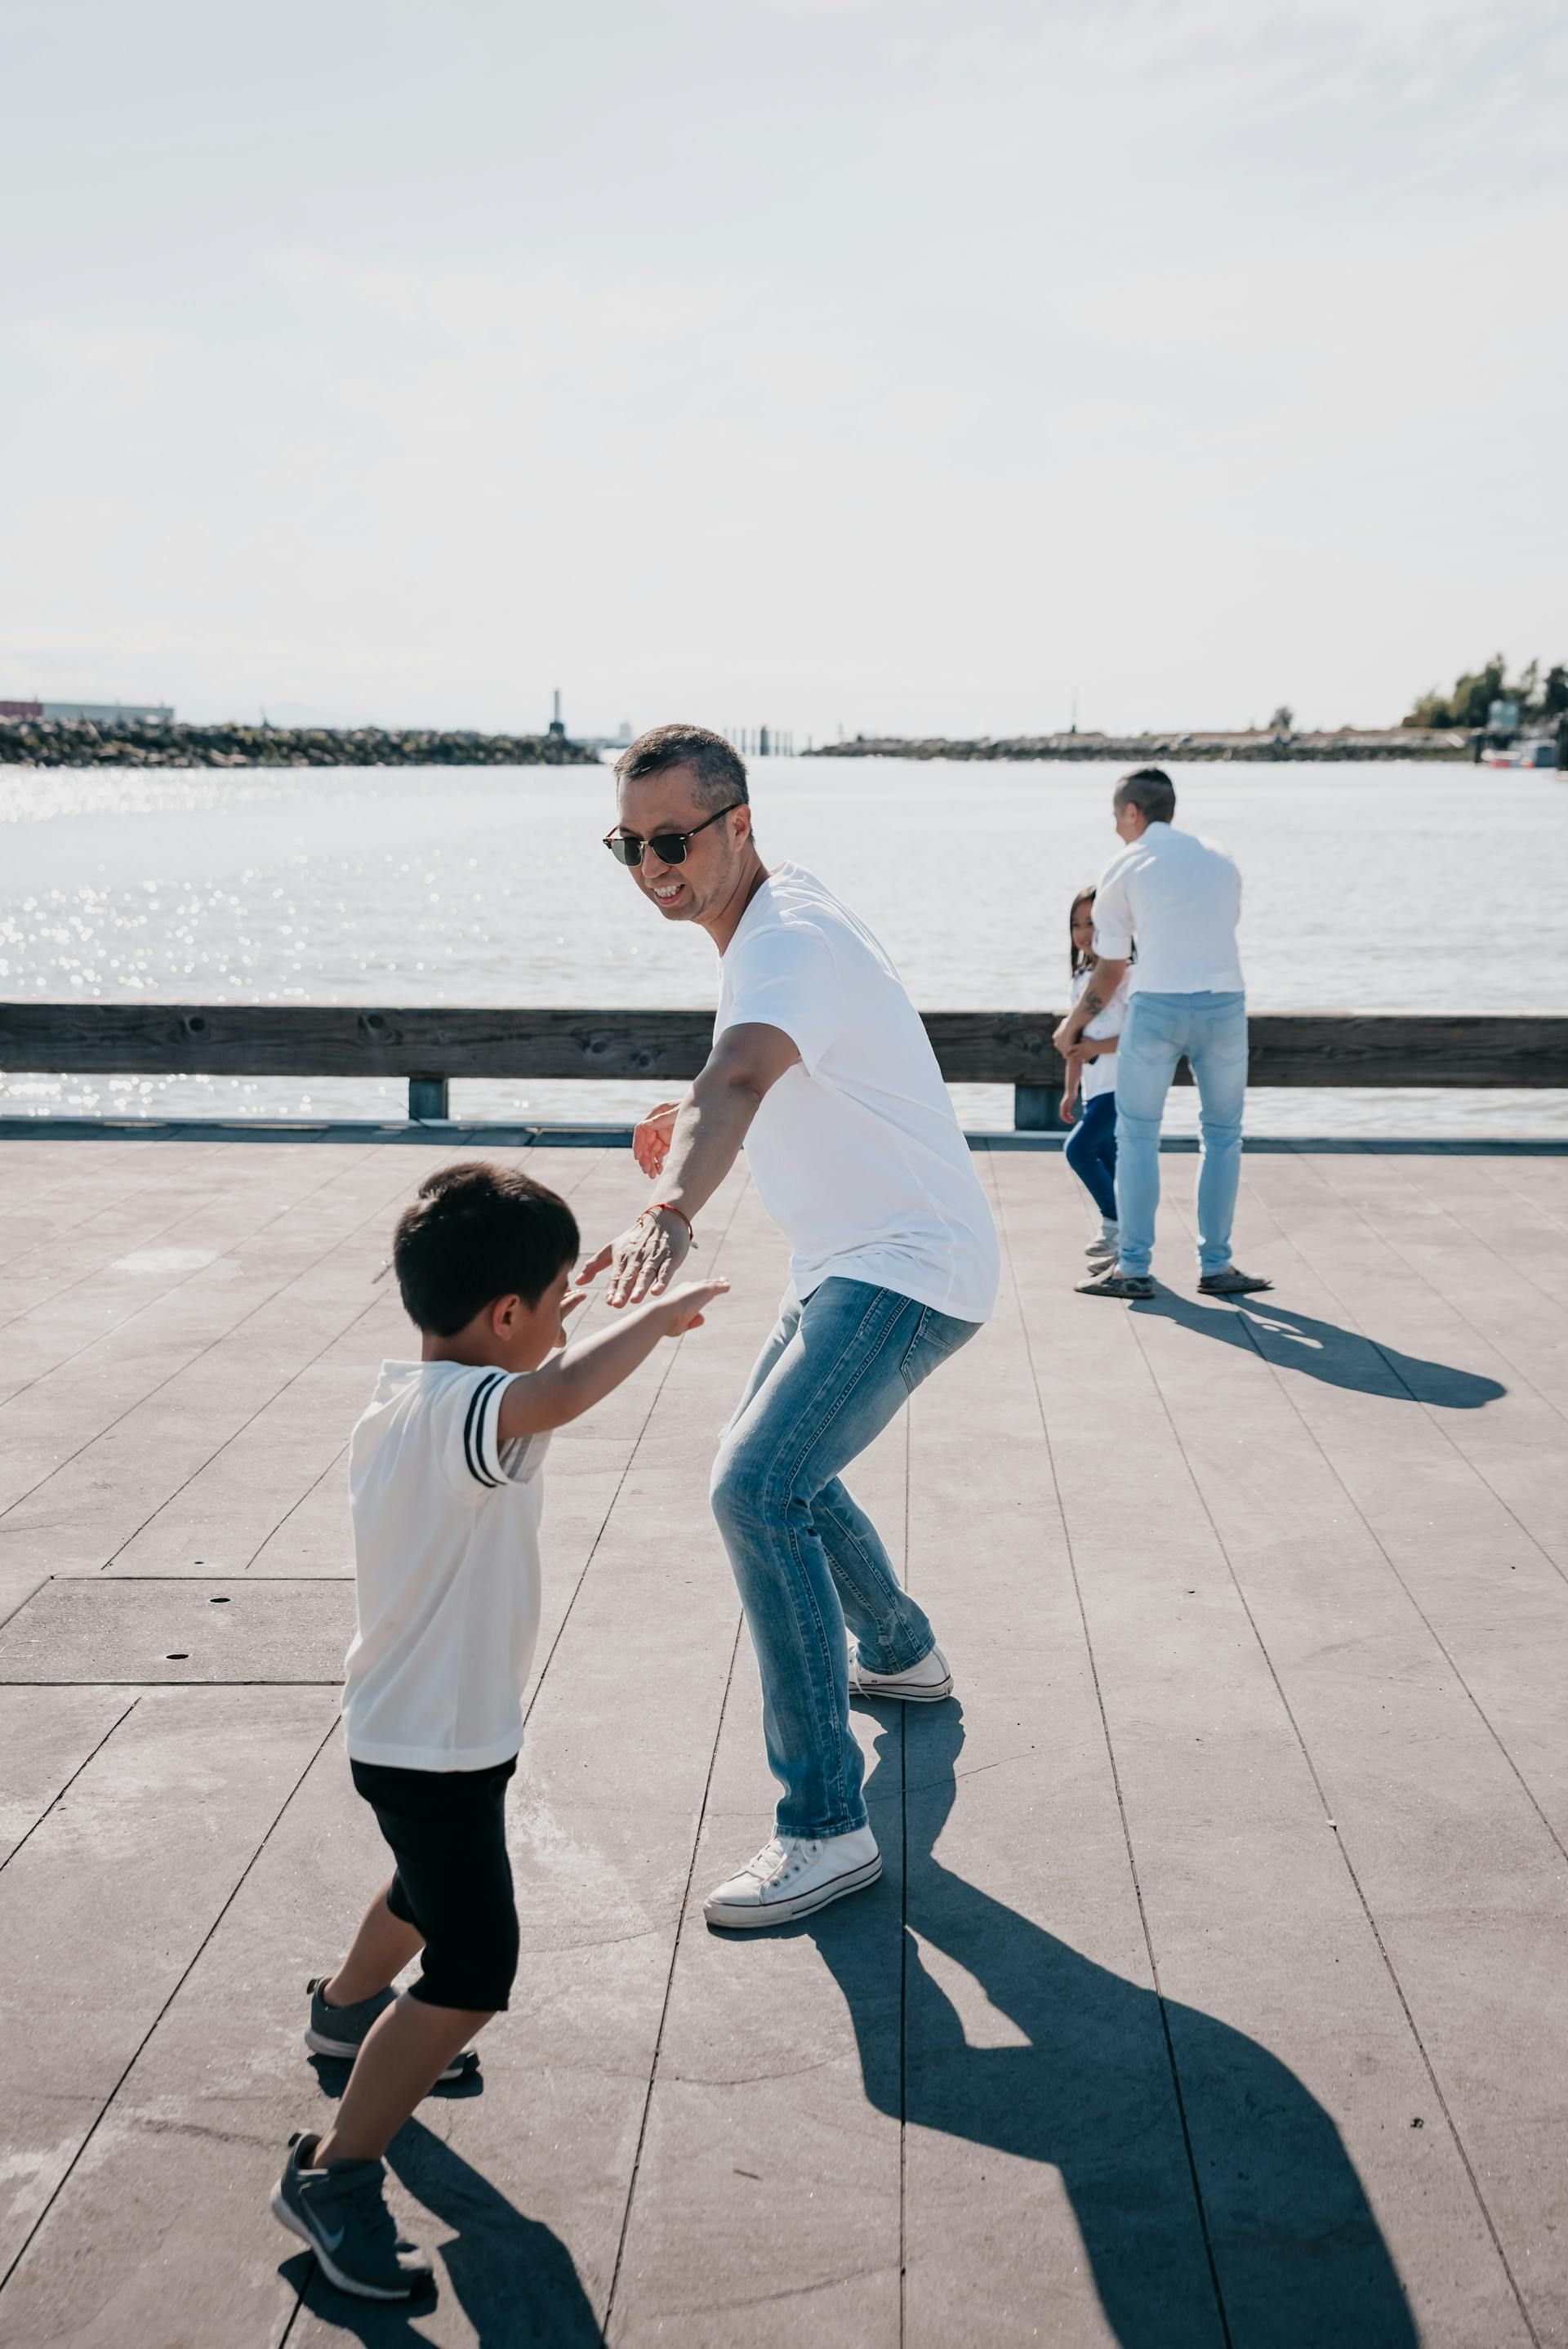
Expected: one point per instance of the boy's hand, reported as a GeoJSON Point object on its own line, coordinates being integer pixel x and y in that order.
{"type": "Point", "coordinates": [685, 1304]}
{"type": "Point", "coordinates": [647, 1257]}
{"type": "Point", "coordinates": [651, 1138]}
{"type": "Point", "coordinates": [573, 1299]}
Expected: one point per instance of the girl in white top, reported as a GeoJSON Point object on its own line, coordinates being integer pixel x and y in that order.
{"type": "Point", "coordinates": [1091, 1080]}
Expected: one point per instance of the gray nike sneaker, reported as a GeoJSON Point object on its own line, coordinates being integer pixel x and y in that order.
{"type": "Point", "coordinates": [341, 2212]}
{"type": "Point", "coordinates": [341, 2031]}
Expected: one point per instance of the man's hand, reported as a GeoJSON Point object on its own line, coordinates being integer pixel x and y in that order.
{"type": "Point", "coordinates": [651, 1138]}
{"type": "Point", "coordinates": [647, 1257]}
{"type": "Point", "coordinates": [1064, 1036]}
{"type": "Point", "coordinates": [687, 1304]}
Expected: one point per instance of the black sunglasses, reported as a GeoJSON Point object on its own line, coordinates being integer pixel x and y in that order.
{"type": "Point", "coordinates": [669, 847]}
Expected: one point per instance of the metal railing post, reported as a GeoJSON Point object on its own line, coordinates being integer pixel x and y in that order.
{"type": "Point", "coordinates": [428, 1098]}
{"type": "Point", "coordinates": [1037, 1109]}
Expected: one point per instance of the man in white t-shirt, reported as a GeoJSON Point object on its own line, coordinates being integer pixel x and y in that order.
{"type": "Point", "coordinates": [1180, 899]}
{"type": "Point", "coordinates": [822, 1069]}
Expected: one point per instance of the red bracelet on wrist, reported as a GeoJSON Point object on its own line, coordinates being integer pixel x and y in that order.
{"type": "Point", "coordinates": [668, 1207]}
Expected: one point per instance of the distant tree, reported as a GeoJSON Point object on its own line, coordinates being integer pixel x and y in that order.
{"type": "Point", "coordinates": [1539, 701]}
{"type": "Point", "coordinates": [1283, 719]}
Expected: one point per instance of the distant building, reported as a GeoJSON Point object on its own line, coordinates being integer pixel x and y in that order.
{"type": "Point", "coordinates": [101, 713]}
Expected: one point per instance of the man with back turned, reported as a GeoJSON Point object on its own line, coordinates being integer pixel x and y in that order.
{"type": "Point", "coordinates": [822, 1070]}
{"type": "Point", "coordinates": [1179, 899]}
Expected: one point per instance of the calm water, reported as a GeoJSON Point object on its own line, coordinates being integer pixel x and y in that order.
{"type": "Point", "coordinates": [1367, 887]}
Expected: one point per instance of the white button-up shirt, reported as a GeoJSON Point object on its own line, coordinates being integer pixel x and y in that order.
{"type": "Point", "coordinates": [1180, 898]}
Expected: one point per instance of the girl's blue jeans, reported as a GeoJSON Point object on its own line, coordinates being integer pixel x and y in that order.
{"type": "Point", "coordinates": [1091, 1152]}
{"type": "Point", "coordinates": [1212, 1030]}
{"type": "Point", "coordinates": [806, 1559]}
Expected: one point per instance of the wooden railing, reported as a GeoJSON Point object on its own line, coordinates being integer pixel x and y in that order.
{"type": "Point", "coordinates": [430, 1045]}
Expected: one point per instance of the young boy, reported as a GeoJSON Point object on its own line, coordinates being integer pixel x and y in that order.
{"type": "Point", "coordinates": [444, 1482]}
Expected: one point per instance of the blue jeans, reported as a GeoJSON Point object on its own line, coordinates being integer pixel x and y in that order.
{"type": "Point", "coordinates": [1212, 1030]}
{"type": "Point", "coordinates": [807, 1561]}
{"type": "Point", "coordinates": [1091, 1152]}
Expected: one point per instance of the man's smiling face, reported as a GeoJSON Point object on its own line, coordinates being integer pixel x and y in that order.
{"type": "Point", "coordinates": [705, 881]}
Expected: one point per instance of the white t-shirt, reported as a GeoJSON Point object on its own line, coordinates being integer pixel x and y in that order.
{"type": "Point", "coordinates": [446, 1560]}
{"type": "Point", "coordinates": [856, 1151]}
{"type": "Point", "coordinates": [1181, 899]}
{"type": "Point", "coordinates": [1100, 1076]}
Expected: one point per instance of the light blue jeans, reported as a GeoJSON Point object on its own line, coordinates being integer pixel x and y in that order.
{"type": "Point", "coordinates": [806, 1559]}
{"type": "Point", "coordinates": [1212, 1030]}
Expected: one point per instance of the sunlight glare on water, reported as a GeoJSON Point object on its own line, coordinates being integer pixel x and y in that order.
{"type": "Point", "coordinates": [1369, 887]}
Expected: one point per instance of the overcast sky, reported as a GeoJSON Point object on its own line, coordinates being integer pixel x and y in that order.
{"type": "Point", "coordinates": [898, 364]}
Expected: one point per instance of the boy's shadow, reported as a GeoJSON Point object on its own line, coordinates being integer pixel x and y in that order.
{"type": "Point", "coordinates": [1322, 1350]}
{"type": "Point", "coordinates": [1297, 2254]}
{"type": "Point", "coordinates": [514, 2279]}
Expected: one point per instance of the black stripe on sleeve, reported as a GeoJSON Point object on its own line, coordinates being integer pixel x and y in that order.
{"type": "Point", "coordinates": [493, 1394]}
{"type": "Point", "coordinates": [476, 1402]}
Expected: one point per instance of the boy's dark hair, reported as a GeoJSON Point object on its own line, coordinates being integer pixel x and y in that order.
{"type": "Point", "coordinates": [1150, 791]}
{"type": "Point", "coordinates": [477, 1232]}
{"type": "Point", "coordinates": [719, 771]}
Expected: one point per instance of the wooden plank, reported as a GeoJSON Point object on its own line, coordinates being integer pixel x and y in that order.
{"type": "Point", "coordinates": [106, 1905]}
{"type": "Point", "coordinates": [1279, 2001]}
{"type": "Point", "coordinates": [777, 2086]}
{"type": "Point", "coordinates": [1048, 2194]}
{"type": "Point", "coordinates": [1338, 1049]}
{"type": "Point", "coordinates": [1458, 1871]}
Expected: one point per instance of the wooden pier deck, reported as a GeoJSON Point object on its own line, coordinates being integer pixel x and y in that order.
{"type": "Point", "coordinates": [1214, 1993]}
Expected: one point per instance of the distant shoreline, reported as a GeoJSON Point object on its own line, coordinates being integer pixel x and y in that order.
{"type": "Point", "coordinates": [138, 744]}
{"type": "Point", "coordinates": [1350, 743]}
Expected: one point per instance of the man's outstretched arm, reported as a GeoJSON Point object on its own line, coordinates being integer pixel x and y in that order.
{"type": "Point", "coordinates": [710, 1126]}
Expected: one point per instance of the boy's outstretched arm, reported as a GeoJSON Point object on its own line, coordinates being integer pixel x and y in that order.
{"type": "Point", "coordinates": [536, 1401]}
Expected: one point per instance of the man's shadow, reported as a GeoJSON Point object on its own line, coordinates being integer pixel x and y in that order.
{"type": "Point", "coordinates": [1322, 1350]}
{"type": "Point", "coordinates": [513, 2278]}
{"type": "Point", "coordinates": [1232, 2191]}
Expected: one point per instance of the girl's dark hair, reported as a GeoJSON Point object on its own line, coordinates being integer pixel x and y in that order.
{"type": "Point", "coordinates": [1076, 960]}
{"type": "Point", "coordinates": [477, 1232]}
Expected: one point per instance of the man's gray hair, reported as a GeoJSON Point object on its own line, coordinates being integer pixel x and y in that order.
{"type": "Point", "coordinates": [1150, 791]}
{"type": "Point", "coordinates": [718, 772]}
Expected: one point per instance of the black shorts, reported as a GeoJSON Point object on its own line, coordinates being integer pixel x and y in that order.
{"type": "Point", "coordinates": [446, 1829]}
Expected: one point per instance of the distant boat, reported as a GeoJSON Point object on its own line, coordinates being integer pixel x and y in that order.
{"type": "Point", "coordinates": [1539, 753]}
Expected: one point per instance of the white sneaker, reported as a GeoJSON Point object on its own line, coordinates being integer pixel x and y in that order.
{"type": "Point", "coordinates": [926, 1682]}
{"type": "Point", "coordinates": [792, 1877]}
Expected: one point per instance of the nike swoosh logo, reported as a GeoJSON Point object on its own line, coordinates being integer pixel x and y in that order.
{"type": "Point", "coordinates": [332, 2242]}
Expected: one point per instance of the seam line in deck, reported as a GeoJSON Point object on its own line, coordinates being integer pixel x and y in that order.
{"type": "Point", "coordinates": [1474, 1466]}
{"type": "Point", "coordinates": [1349, 1207]}
{"type": "Point", "coordinates": [670, 1980]}
{"type": "Point", "coordinates": [1339, 1838]}
{"type": "Point", "coordinates": [37, 1247]}
{"type": "Point", "coordinates": [202, 1352]}
{"type": "Point", "coordinates": [1201, 2212]}
{"type": "Point", "coordinates": [234, 1434]}
{"type": "Point", "coordinates": [1373, 1536]}
{"type": "Point", "coordinates": [60, 1794]}
{"type": "Point", "coordinates": [69, 2170]}
{"type": "Point", "coordinates": [174, 1287]}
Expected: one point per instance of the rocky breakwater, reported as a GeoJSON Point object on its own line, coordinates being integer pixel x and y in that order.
{"type": "Point", "coordinates": [1141, 749]}
{"type": "Point", "coordinates": [81, 742]}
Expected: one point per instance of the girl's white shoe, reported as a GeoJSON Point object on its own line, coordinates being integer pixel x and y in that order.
{"type": "Point", "coordinates": [926, 1682]}
{"type": "Point", "coordinates": [792, 1877]}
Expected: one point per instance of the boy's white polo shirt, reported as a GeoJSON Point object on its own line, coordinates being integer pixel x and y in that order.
{"type": "Point", "coordinates": [446, 1548]}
